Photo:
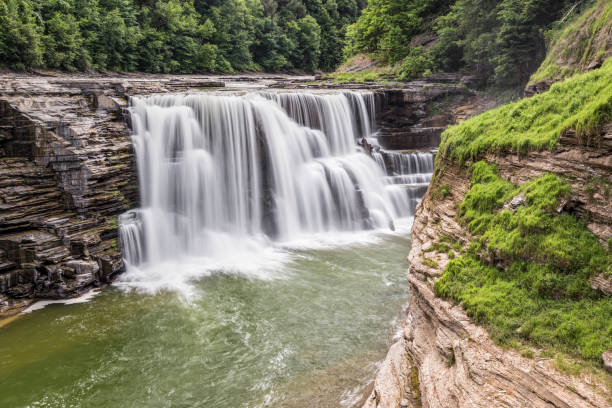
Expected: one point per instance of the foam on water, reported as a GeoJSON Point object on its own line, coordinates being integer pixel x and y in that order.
{"type": "Point", "coordinates": [253, 257]}
{"type": "Point", "coordinates": [41, 304]}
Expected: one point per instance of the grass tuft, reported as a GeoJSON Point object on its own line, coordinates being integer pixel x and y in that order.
{"type": "Point", "coordinates": [583, 103]}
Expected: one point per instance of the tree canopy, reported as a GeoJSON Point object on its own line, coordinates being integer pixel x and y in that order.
{"type": "Point", "coordinates": [178, 36]}
{"type": "Point", "coordinates": [501, 39]}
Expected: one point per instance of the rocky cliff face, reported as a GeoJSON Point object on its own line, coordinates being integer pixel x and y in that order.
{"type": "Point", "coordinates": [443, 359]}
{"type": "Point", "coordinates": [414, 116]}
{"type": "Point", "coordinates": [66, 172]}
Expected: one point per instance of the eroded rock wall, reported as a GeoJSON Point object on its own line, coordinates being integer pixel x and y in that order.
{"type": "Point", "coordinates": [442, 359]}
{"type": "Point", "coordinates": [67, 171]}
{"type": "Point", "coordinates": [413, 117]}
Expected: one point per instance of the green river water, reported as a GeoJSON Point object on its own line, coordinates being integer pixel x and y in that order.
{"type": "Point", "coordinates": [310, 336]}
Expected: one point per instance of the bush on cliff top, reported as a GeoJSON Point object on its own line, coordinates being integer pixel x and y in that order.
{"type": "Point", "coordinates": [526, 275]}
{"type": "Point", "coordinates": [583, 103]}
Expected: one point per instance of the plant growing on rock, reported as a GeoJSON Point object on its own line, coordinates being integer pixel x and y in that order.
{"type": "Point", "coordinates": [526, 275]}
{"type": "Point", "coordinates": [582, 103]}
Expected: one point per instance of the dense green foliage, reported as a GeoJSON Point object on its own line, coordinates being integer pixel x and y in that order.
{"type": "Point", "coordinates": [386, 26]}
{"type": "Point", "coordinates": [526, 274]}
{"type": "Point", "coordinates": [180, 36]}
{"type": "Point", "coordinates": [583, 102]}
{"type": "Point", "coordinates": [503, 40]}
{"type": "Point", "coordinates": [417, 63]}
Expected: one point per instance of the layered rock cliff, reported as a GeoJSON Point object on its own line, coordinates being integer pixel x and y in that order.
{"type": "Point", "coordinates": [66, 172]}
{"type": "Point", "coordinates": [443, 359]}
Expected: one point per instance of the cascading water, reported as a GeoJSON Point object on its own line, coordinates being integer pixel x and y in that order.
{"type": "Point", "coordinates": [218, 172]}
{"type": "Point", "coordinates": [411, 172]}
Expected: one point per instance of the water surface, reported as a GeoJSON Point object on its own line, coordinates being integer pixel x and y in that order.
{"type": "Point", "coordinates": [309, 334]}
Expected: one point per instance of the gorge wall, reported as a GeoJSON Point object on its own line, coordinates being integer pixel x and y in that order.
{"type": "Point", "coordinates": [443, 359]}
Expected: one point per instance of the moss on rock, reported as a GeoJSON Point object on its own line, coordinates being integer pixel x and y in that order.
{"type": "Point", "coordinates": [526, 274]}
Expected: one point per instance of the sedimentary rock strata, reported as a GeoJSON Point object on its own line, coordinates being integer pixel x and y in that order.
{"type": "Point", "coordinates": [446, 360]}
{"type": "Point", "coordinates": [66, 171]}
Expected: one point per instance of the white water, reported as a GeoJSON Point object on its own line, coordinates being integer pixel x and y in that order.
{"type": "Point", "coordinates": [230, 182]}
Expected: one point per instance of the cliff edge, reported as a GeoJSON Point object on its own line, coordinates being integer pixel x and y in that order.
{"type": "Point", "coordinates": [510, 266]}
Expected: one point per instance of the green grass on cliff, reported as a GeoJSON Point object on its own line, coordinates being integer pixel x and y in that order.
{"type": "Point", "coordinates": [583, 103]}
{"type": "Point", "coordinates": [526, 274]}
{"type": "Point", "coordinates": [374, 74]}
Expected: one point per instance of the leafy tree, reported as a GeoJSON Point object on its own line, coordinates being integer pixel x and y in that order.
{"type": "Point", "coordinates": [118, 42]}
{"type": "Point", "coordinates": [20, 36]}
{"type": "Point", "coordinates": [500, 39]}
{"type": "Point", "coordinates": [309, 43]}
{"type": "Point", "coordinates": [519, 42]}
{"type": "Point", "coordinates": [386, 27]}
{"type": "Point", "coordinates": [64, 44]}
{"type": "Point", "coordinates": [417, 64]}
{"type": "Point", "coordinates": [175, 35]}
{"type": "Point", "coordinates": [266, 48]}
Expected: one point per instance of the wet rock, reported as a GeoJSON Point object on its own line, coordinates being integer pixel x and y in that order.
{"type": "Point", "coordinates": [607, 360]}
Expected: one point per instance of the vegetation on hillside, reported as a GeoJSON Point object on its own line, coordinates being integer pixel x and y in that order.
{"type": "Point", "coordinates": [179, 36]}
{"type": "Point", "coordinates": [525, 276]}
{"type": "Point", "coordinates": [385, 27]}
{"type": "Point", "coordinates": [583, 103]}
{"type": "Point", "coordinates": [578, 46]}
{"type": "Point", "coordinates": [501, 40]}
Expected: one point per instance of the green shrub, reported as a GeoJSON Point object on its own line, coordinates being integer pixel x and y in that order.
{"type": "Point", "coordinates": [418, 63]}
{"type": "Point", "coordinates": [430, 262]}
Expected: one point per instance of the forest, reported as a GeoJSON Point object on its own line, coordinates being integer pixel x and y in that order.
{"type": "Point", "coordinates": [174, 36]}
{"type": "Point", "coordinates": [503, 40]}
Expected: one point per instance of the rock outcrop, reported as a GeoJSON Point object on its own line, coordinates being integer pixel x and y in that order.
{"type": "Point", "coordinates": [66, 171]}
{"type": "Point", "coordinates": [443, 359]}
{"type": "Point", "coordinates": [414, 116]}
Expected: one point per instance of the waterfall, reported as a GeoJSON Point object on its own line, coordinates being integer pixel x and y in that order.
{"type": "Point", "coordinates": [408, 174]}
{"type": "Point", "coordinates": [398, 163]}
{"type": "Point", "coordinates": [271, 166]}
